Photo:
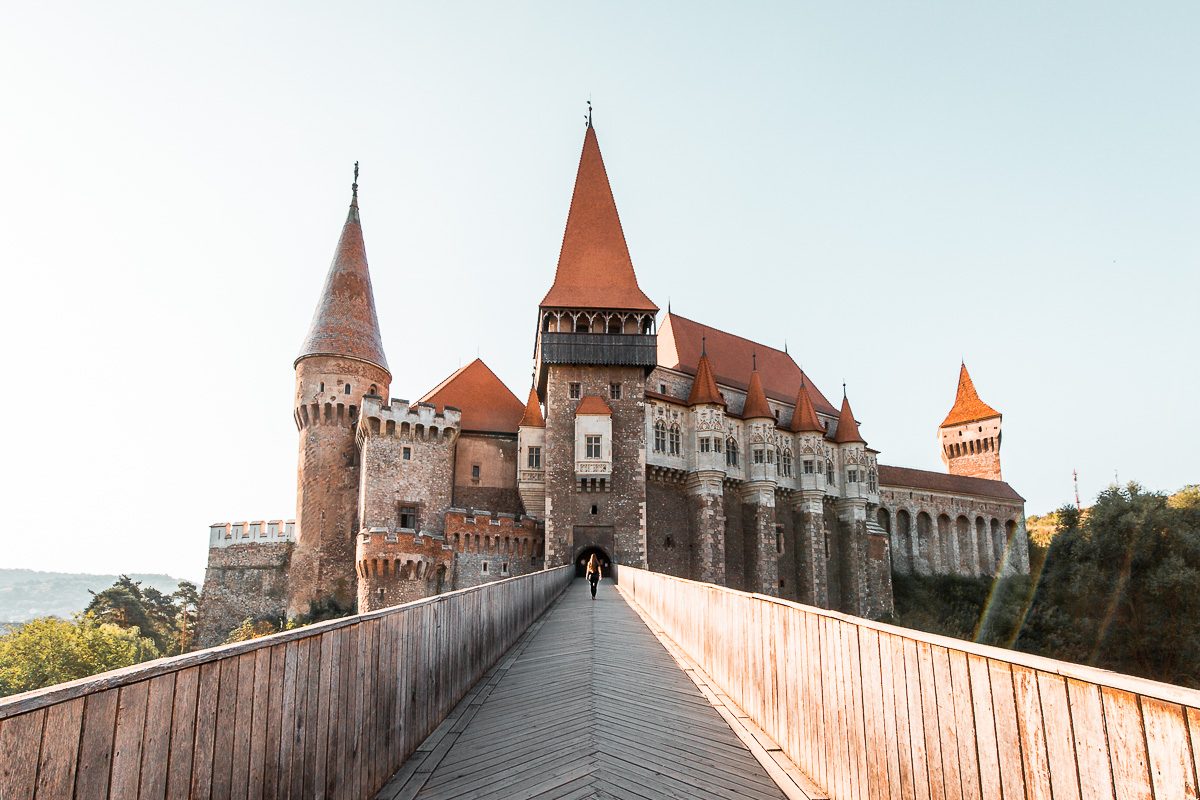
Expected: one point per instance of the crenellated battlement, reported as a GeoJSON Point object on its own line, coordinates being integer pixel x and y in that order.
{"type": "Point", "coordinates": [310, 415]}
{"type": "Point", "coordinates": [404, 420]}
{"type": "Point", "coordinates": [229, 534]}
{"type": "Point", "coordinates": [395, 567]}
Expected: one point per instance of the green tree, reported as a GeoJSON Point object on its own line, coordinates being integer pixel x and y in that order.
{"type": "Point", "coordinates": [49, 650]}
{"type": "Point", "coordinates": [187, 603]}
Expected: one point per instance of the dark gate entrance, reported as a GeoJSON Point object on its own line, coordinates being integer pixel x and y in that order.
{"type": "Point", "coordinates": [586, 553]}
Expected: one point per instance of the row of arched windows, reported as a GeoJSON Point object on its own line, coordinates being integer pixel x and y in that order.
{"type": "Point", "coordinates": [667, 440]}
{"type": "Point", "coordinates": [952, 546]}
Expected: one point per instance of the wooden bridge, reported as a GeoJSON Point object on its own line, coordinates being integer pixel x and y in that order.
{"type": "Point", "coordinates": [662, 687]}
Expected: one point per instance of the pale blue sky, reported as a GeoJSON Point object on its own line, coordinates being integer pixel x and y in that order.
{"type": "Point", "coordinates": [888, 187]}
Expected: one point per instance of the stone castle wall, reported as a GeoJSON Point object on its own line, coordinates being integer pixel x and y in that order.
{"type": "Point", "coordinates": [242, 581]}
{"type": "Point", "coordinates": [495, 458]}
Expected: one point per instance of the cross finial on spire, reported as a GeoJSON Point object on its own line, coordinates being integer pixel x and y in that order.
{"type": "Point", "coordinates": [354, 186]}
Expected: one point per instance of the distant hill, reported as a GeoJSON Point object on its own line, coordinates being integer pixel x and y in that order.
{"type": "Point", "coordinates": [26, 594]}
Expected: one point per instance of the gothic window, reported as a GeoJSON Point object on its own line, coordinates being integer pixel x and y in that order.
{"type": "Point", "coordinates": [705, 444]}
{"type": "Point", "coordinates": [717, 444]}
{"type": "Point", "coordinates": [731, 452]}
{"type": "Point", "coordinates": [808, 466]}
{"type": "Point", "coordinates": [872, 481]}
{"type": "Point", "coordinates": [535, 458]}
{"type": "Point", "coordinates": [829, 471]}
{"type": "Point", "coordinates": [614, 391]}
{"type": "Point", "coordinates": [852, 476]}
{"type": "Point", "coordinates": [675, 439]}
{"type": "Point", "coordinates": [573, 390]}
{"type": "Point", "coordinates": [593, 446]}
{"type": "Point", "coordinates": [408, 517]}
{"type": "Point", "coordinates": [660, 437]}
{"type": "Point", "coordinates": [770, 455]}
{"type": "Point", "coordinates": [787, 463]}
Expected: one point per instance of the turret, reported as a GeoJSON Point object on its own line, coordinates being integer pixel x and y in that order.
{"type": "Point", "coordinates": [810, 442]}
{"type": "Point", "coordinates": [340, 362]}
{"type": "Point", "coordinates": [761, 431]}
{"type": "Point", "coordinates": [531, 455]}
{"type": "Point", "coordinates": [969, 437]}
{"type": "Point", "coordinates": [859, 478]}
{"type": "Point", "coordinates": [707, 409]}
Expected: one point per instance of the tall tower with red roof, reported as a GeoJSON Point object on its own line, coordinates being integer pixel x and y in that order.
{"type": "Point", "coordinates": [340, 362]}
{"type": "Point", "coordinates": [969, 436]}
{"type": "Point", "coordinates": [595, 345]}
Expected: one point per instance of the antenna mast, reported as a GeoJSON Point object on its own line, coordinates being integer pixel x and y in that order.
{"type": "Point", "coordinates": [1075, 477]}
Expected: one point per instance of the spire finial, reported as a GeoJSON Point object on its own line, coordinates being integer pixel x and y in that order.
{"type": "Point", "coordinates": [785, 350]}
{"type": "Point", "coordinates": [843, 390]}
{"type": "Point", "coordinates": [703, 345]}
{"type": "Point", "coordinates": [354, 186]}
{"type": "Point", "coordinates": [754, 361]}
{"type": "Point", "coordinates": [589, 114]}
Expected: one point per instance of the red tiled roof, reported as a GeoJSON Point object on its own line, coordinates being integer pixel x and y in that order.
{"type": "Point", "coordinates": [704, 387]}
{"type": "Point", "coordinates": [967, 405]}
{"type": "Point", "coordinates": [486, 403]}
{"type": "Point", "coordinates": [593, 404]}
{"type": "Point", "coordinates": [804, 418]}
{"type": "Point", "coordinates": [847, 429]}
{"type": "Point", "coordinates": [532, 418]}
{"type": "Point", "coordinates": [679, 345]}
{"type": "Point", "coordinates": [942, 482]}
{"type": "Point", "coordinates": [594, 267]}
{"type": "Point", "coordinates": [345, 322]}
{"type": "Point", "coordinates": [756, 406]}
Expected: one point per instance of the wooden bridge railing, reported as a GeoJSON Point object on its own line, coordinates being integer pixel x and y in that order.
{"type": "Point", "coordinates": [876, 711]}
{"type": "Point", "coordinates": [331, 710]}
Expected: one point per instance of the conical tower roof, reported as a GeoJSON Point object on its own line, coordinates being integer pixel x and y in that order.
{"type": "Point", "coordinates": [756, 399]}
{"type": "Point", "coordinates": [594, 267]}
{"type": "Point", "coordinates": [704, 387]}
{"type": "Point", "coordinates": [532, 418]}
{"type": "Point", "coordinates": [847, 429]}
{"type": "Point", "coordinates": [804, 418]}
{"type": "Point", "coordinates": [967, 405]}
{"type": "Point", "coordinates": [345, 322]}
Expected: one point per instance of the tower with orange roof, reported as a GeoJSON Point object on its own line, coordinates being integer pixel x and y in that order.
{"type": "Point", "coordinates": [969, 436]}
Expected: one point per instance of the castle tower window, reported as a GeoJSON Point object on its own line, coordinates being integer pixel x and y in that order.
{"type": "Point", "coordinates": [808, 466]}
{"type": "Point", "coordinates": [829, 471]}
{"type": "Point", "coordinates": [786, 463]}
{"type": "Point", "coordinates": [705, 444]}
{"type": "Point", "coordinates": [474, 472]}
{"type": "Point", "coordinates": [770, 455]}
{"type": "Point", "coordinates": [504, 568]}
{"type": "Point", "coordinates": [778, 538]}
{"type": "Point", "coordinates": [322, 386]}
{"type": "Point", "coordinates": [660, 437]}
{"type": "Point", "coordinates": [573, 390]}
{"type": "Point", "coordinates": [408, 517]}
{"type": "Point", "coordinates": [347, 388]}
{"type": "Point", "coordinates": [731, 452]}
{"type": "Point", "coordinates": [662, 388]}
{"type": "Point", "coordinates": [614, 391]}
{"type": "Point", "coordinates": [535, 457]}
{"type": "Point", "coordinates": [406, 453]}
{"type": "Point", "coordinates": [852, 476]}
{"type": "Point", "coordinates": [872, 481]}
{"type": "Point", "coordinates": [593, 446]}
{"type": "Point", "coordinates": [374, 389]}
{"type": "Point", "coordinates": [485, 566]}
{"type": "Point", "coordinates": [759, 458]}
{"type": "Point", "coordinates": [675, 439]}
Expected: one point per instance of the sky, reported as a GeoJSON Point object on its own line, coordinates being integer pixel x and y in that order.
{"type": "Point", "coordinates": [887, 187]}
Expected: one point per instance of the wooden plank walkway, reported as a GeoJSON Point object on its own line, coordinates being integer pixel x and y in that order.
{"type": "Point", "coordinates": [588, 704]}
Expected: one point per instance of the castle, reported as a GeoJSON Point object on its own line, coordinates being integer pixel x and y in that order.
{"type": "Point", "coordinates": [655, 442]}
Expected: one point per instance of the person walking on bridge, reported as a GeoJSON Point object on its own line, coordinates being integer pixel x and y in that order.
{"type": "Point", "coordinates": [593, 573]}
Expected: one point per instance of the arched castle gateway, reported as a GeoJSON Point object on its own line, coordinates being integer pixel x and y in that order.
{"type": "Point", "coordinates": [662, 442]}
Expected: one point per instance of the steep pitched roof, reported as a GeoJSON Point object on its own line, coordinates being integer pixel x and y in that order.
{"type": "Point", "coordinates": [847, 429]}
{"type": "Point", "coordinates": [804, 418]}
{"type": "Point", "coordinates": [593, 404]}
{"type": "Point", "coordinates": [941, 482]}
{"type": "Point", "coordinates": [532, 418]}
{"type": "Point", "coordinates": [680, 343]}
{"type": "Point", "coordinates": [756, 406]}
{"type": "Point", "coordinates": [486, 403]}
{"type": "Point", "coordinates": [345, 322]}
{"type": "Point", "coordinates": [967, 405]}
{"type": "Point", "coordinates": [594, 267]}
{"type": "Point", "coordinates": [704, 387]}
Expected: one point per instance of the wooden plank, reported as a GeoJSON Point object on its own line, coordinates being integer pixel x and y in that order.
{"type": "Point", "coordinates": [964, 725]}
{"type": "Point", "coordinates": [183, 733]}
{"type": "Point", "coordinates": [227, 695]}
{"type": "Point", "coordinates": [316, 786]}
{"type": "Point", "coordinates": [20, 740]}
{"type": "Point", "coordinates": [1008, 730]}
{"type": "Point", "coordinates": [984, 728]}
{"type": "Point", "coordinates": [1126, 745]}
{"type": "Point", "coordinates": [258, 732]}
{"type": "Point", "coordinates": [1090, 741]}
{"type": "Point", "coordinates": [916, 722]}
{"type": "Point", "coordinates": [127, 743]}
{"type": "Point", "coordinates": [1060, 740]}
{"type": "Point", "coordinates": [872, 694]}
{"type": "Point", "coordinates": [908, 780]}
{"type": "Point", "coordinates": [156, 739]}
{"type": "Point", "coordinates": [1193, 716]}
{"type": "Point", "coordinates": [1034, 759]}
{"type": "Point", "coordinates": [929, 715]}
{"type": "Point", "coordinates": [312, 715]}
{"type": "Point", "coordinates": [243, 721]}
{"type": "Point", "coordinates": [895, 748]}
{"type": "Point", "coordinates": [299, 725]}
{"type": "Point", "coordinates": [944, 696]}
{"type": "Point", "coordinates": [273, 743]}
{"type": "Point", "coordinates": [1169, 749]}
{"type": "Point", "coordinates": [287, 723]}
{"type": "Point", "coordinates": [60, 749]}
{"type": "Point", "coordinates": [96, 745]}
